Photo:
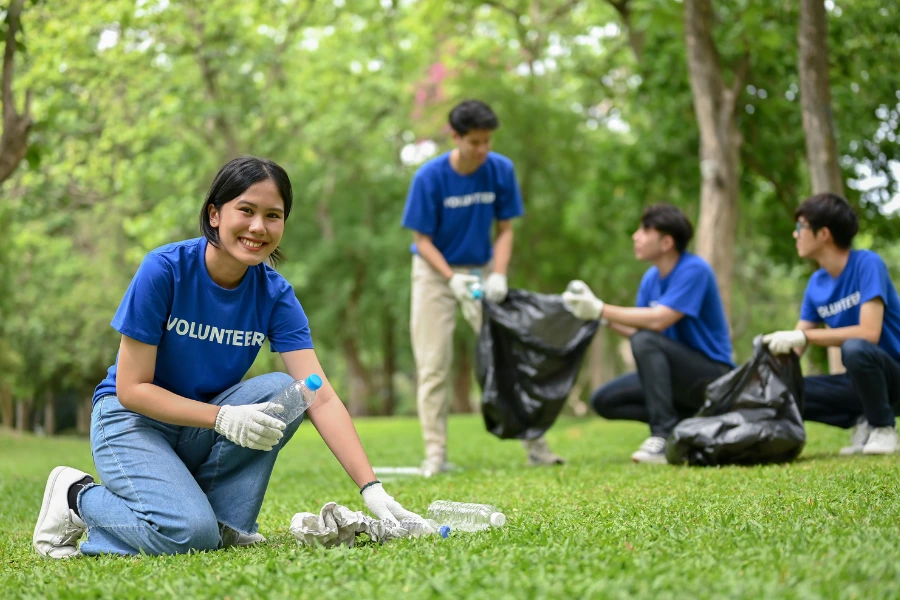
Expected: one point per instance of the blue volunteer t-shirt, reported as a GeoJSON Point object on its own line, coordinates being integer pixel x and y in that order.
{"type": "Point", "coordinates": [458, 211]}
{"type": "Point", "coordinates": [837, 300]}
{"type": "Point", "coordinates": [207, 337]}
{"type": "Point", "coordinates": [691, 289]}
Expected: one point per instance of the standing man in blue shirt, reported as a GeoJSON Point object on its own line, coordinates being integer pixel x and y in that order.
{"type": "Point", "coordinates": [853, 294]}
{"type": "Point", "coordinates": [453, 202]}
{"type": "Point", "coordinates": [678, 330]}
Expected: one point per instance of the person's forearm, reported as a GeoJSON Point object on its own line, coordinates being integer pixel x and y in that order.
{"type": "Point", "coordinates": [157, 403]}
{"type": "Point", "coordinates": [332, 421]}
{"type": "Point", "coordinates": [634, 317]}
{"type": "Point", "coordinates": [836, 337]}
{"type": "Point", "coordinates": [503, 246]}
{"type": "Point", "coordinates": [623, 330]}
{"type": "Point", "coordinates": [428, 251]}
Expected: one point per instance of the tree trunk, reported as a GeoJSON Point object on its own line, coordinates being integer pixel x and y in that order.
{"type": "Point", "coordinates": [815, 100]}
{"type": "Point", "coordinates": [818, 122]}
{"type": "Point", "coordinates": [635, 38]}
{"type": "Point", "coordinates": [360, 379]}
{"type": "Point", "coordinates": [720, 143]}
{"type": "Point", "coordinates": [83, 415]}
{"type": "Point", "coordinates": [50, 414]}
{"type": "Point", "coordinates": [23, 414]}
{"type": "Point", "coordinates": [388, 365]}
{"type": "Point", "coordinates": [600, 369]}
{"type": "Point", "coordinates": [16, 126]}
{"type": "Point", "coordinates": [7, 411]}
{"type": "Point", "coordinates": [462, 374]}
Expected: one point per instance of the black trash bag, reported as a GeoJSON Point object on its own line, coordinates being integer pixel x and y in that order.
{"type": "Point", "coordinates": [529, 352]}
{"type": "Point", "coordinates": [751, 416]}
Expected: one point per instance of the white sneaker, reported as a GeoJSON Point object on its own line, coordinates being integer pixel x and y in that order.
{"type": "Point", "coordinates": [859, 435]}
{"type": "Point", "coordinates": [539, 453]}
{"type": "Point", "coordinates": [58, 528]}
{"type": "Point", "coordinates": [232, 537]}
{"type": "Point", "coordinates": [434, 465]}
{"type": "Point", "coordinates": [882, 440]}
{"type": "Point", "coordinates": [652, 451]}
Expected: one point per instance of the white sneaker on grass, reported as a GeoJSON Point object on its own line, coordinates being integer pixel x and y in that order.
{"type": "Point", "coordinates": [882, 440]}
{"type": "Point", "coordinates": [652, 451]}
{"type": "Point", "coordinates": [58, 528]}
{"type": "Point", "coordinates": [434, 465]}
{"type": "Point", "coordinates": [540, 454]}
{"type": "Point", "coordinates": [859, 435]}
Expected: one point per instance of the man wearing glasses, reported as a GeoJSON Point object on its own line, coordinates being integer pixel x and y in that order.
{"type": "Point", "coordinates": [853, 294]}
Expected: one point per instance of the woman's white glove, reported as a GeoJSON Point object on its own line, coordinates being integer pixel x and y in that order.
{"type": "Point", "coordinates": [383, 506]}
{"type": "Point", "coordinates": [782, 342]}
{"type": "Point", "coordinates": [249, 426]}
{"type": "Point", "coordinates": [581, 301]}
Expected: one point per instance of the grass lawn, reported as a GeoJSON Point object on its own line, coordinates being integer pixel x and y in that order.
{"type": "Point", "coordinates": [599, 527]}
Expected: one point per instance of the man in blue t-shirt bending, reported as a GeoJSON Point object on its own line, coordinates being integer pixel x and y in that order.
{"type": "Point", "coordinates": [678, 330]}
{"type": "Point", "coordinates": [853, 294]}
{"type": "Point", "coordinates": [453, 202]}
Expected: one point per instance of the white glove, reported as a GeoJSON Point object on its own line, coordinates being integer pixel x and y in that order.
{"type": "Point", "coordinates": [495, 288]}
{"type": "Point", "coordinates": [459, 285]}
{"type": "Point", "coordinates": [383, 506]}
{"type": "Point", "coordinates": [249, 426]}
{"type": "Point", "coordinates": [581, 301]}
{"type": "Point", "coordinates": [782, 342]}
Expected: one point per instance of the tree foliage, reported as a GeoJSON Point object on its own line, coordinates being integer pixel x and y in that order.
{"type": "Point", "coordinates": [137, 103]}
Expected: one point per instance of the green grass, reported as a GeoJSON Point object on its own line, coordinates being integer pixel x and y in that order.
{"type": "Point", "coordinates": [598, 527]}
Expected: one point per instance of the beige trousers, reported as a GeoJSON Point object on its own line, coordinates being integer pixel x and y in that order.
{"type": "Point", "coordinates": [432, 322]}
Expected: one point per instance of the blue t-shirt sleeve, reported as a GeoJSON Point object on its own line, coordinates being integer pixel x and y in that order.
{"type": "Point", "coordinates": [144, 310]}
{"type": "Point", "coordinates": [686, 289]}
{"type": "Point", "coordinates": [289, 327]}
{"type": "Point", "coordinates": [508, 204]}
{"type": "Point", "coordinates": [874, 279]}
{"type": "Point", "coordinates": [421, 210]}
{"type": "Point", "coordinates": [808, 310]}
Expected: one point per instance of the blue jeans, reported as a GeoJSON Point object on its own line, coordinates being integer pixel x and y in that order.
{"type": "Point", "coordinates": [870, 387]}
{"type": "Point", "coordinates": [166, 488]}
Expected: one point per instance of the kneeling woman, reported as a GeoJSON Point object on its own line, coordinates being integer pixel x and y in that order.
{"type": "Point", "coordinates": [181, 444]}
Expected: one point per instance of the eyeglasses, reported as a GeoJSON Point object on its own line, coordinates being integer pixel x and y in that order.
{"type": "Point", "coordinates": [801, 226]}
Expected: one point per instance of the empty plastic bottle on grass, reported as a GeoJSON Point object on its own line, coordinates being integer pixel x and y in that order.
{"type": "Point", "coordinates": [417, 528]}
{"type": "Point", "coordinates": [295, 399]}
{"type": "Point", "coordinates": [465, 516]}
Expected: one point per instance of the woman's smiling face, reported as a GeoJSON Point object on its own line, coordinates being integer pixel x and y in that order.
{"type": "Point", "coordinates": [250, 226]}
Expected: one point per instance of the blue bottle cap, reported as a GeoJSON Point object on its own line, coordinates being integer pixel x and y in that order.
{"type": "Point", "coordinates": [313, 382]}
{"type": "Point", "coordinates": [444, 531]}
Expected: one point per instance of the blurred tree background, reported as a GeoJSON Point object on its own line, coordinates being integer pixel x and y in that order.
{"type": "Point", "coordinates": [117, 114]}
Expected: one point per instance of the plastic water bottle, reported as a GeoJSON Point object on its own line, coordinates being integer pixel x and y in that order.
{"type": "Point", "coordinates": [465, 516]}
{"type": "Point", "coordinates": [418, 528]}
{"type": "Point", "coordinates": [475, 288]}
{"type": "Point", "coordinates": [294, 400]}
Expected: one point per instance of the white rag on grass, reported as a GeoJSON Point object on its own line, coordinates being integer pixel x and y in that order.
{"type": "Point", "coordinates": [336, 525]}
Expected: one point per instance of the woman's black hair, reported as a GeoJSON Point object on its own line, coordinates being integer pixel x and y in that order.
{"type": "Point", "coordinates": [232, 180]}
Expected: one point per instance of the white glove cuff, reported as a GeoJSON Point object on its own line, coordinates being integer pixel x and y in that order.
{"type": "Point", "coordinates": [220, 417]}
{"type": "Point", "coordinates": [368, 485]}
